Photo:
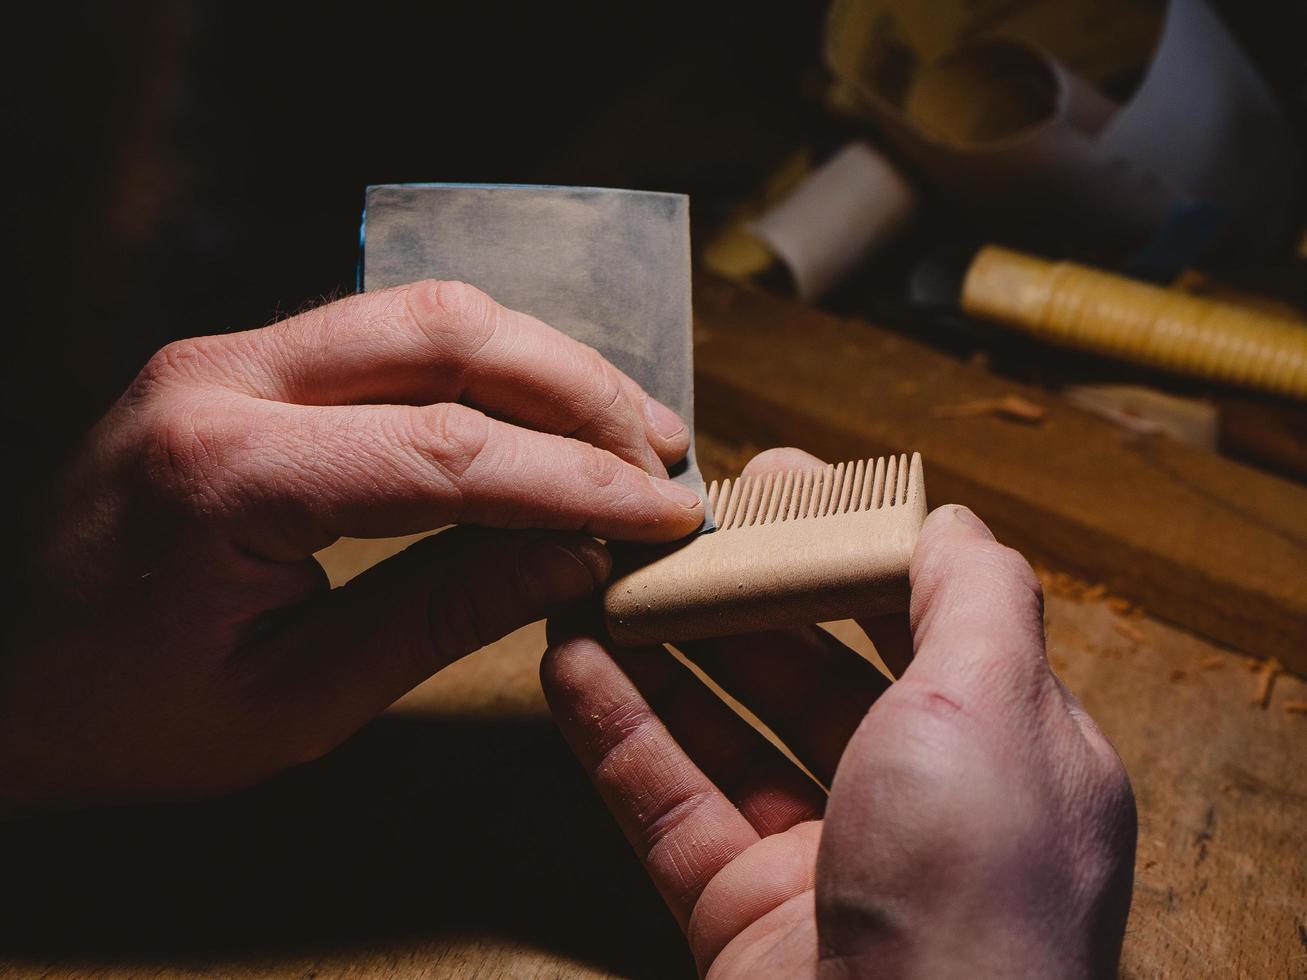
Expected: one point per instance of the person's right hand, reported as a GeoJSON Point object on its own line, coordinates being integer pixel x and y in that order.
{"type": "Point", "coordinates": [978, 823]}
{"type": "Point", "coordinates": [183, 640]}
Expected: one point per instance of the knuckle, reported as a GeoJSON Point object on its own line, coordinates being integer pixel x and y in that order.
{"type": "Point", "coordinates": [459, 300]}
{"type": "Point", "coordinates": [610, 386]}
{"type": "Point", "coordinates": [602, 410]}
{"type": "Point", "coordinates": [458, 623]}
{"type": "Point", "coordinates": [597, 366]}
{"type": "Point", "coordinates": [602, 470]}
{"type": "Point", "coordinates": [453, 435]}
{"type": "Point", "coordinates": [1010, 566]}
{"type": "Point", "coordinates": [188, 456]}
{"type": "Point", "coordinates": [456, 318]}
{"type": "Point", "coordinates": [1000, 572]}
{"type": "Point", "coordinates": [176, 364]}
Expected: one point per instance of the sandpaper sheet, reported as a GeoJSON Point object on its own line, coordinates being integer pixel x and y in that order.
{"type": "Point", "coordinates": [610, 268]}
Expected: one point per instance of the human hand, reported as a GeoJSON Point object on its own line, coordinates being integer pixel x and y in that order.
{"type": "Point", "coordinates": [978, 822]}
{"type": "Point", "coordinates": [184, 641]}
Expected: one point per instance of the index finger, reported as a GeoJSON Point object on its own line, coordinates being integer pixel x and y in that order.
{"type": "Point", "coordinates": [436, 341]}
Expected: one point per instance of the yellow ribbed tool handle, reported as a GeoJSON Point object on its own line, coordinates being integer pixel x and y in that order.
{"type": "Point", "coordinates": [1081, 307]}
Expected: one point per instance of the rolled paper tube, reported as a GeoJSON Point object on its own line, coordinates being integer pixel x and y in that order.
{"type": "Point", "coordinates": [1163, 328]}
{"type": "Point", "coordinates": [791, 549]}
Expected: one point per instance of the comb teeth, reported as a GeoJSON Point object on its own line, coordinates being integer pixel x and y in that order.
{"type": "Point", "coordinates": [798, 495]}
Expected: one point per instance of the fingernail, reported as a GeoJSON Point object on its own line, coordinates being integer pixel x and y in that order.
{"type": "Point", "coordinates": [593, 556]}
{"type": "Point", "coordinates": [568, 568]}
{"type": "Point", "coordinates": [662, 419]}
{"type": "Point", "coordinates": [674, 491]}
{"type": "Point", "coordinates": [967, 517]}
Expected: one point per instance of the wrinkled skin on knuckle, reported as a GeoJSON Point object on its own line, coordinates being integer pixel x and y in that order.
{"type": "Point", "coordinates": [197, 459]}
{"type": "Point", "coordinates": [460, 622]}
{"type": "Point", "coordinates": [453, 436]}
{"type": "Point", "coordinates": [1010, 565]}
{"type": "Point", "coordinates": [607, 409]}
{"type": "Point", "coordinates": [456, 318]}
{"type": "Point", "coordinates": [975, 584]}
{"type": "Point", "coordinates": [603, 471]}
{"type": "Point", "coordinates": [1001, 572]}
{"type": "Point", "coordinates": [181, 364]}
{"type": "Point", "coordinates": [614, 417]}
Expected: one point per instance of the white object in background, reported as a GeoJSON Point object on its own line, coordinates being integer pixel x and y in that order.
{"type": "Point", "coordinates": [1202, 134]}
{"type": "Point", "coordinates": [853, 203]}
{"type": "Point", "coordinates": [1192, 421]}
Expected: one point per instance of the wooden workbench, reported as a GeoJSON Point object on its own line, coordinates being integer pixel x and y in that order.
{"type": "Point", "coordinates": [456, 837]}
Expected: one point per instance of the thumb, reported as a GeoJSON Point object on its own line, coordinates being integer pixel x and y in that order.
{"type": "Point", "coordinates": [352, 651]}
{"type": "Point", "coordinates": [998, 828]}
{"type": "Point", "coordinates": [977, 611]}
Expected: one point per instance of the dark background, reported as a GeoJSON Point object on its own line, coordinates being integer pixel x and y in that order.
{"type": "Point", "coordinates": [197, 167]}
{"type": "Point", "coordinates": [194, 167]}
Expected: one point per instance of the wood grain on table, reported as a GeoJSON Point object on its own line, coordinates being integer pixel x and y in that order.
{"type": "Point", "coordinates": [1214, 546]}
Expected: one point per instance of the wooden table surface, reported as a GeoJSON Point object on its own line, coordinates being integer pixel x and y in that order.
{"type": "Point", "coordinates": [456, 837]}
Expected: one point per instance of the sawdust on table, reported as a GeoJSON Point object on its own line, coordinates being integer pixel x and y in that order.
{"type": "Point", "coordinates": [1064, 585]}
{"type": "Point", "coordinates": [1271, 669]}
{"type": "Point", "coordinates": [1067, 586]}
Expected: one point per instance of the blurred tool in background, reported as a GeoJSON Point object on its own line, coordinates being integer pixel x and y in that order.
{"type": "Point", "coordinates": [1130, 135]}
{"type": "Point", "coordinates": [1010, 109]}
{"type": "Point", "coordinates": [823, 227]}
{"type": "Point", "coordinates": [1137, 322]}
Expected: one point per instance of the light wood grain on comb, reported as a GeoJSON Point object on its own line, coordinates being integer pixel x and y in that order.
{"type": "Point", "coordinates": [791, 548]}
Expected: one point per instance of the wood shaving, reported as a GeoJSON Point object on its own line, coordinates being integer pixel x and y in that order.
{"type": "Point", "coordinates": [1295, 707]}
{"type": "Point", "coordinates": [1067, 586]}
{"type": "Point", "coordinates": [1129, 631]}
{"type": "Point", "coordinates": [1271, 669]}
{"type": "Point", "coordinates": [1212, 662]}
{"type": "Point", "coordinates": [1012, 408]}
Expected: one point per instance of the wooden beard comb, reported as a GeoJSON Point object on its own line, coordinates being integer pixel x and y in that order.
{"type": "Point", "coordinates": [791, 549]}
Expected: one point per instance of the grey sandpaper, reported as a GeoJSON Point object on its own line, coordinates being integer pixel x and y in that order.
{"type": "Point", "coordinates": [610, 268]}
